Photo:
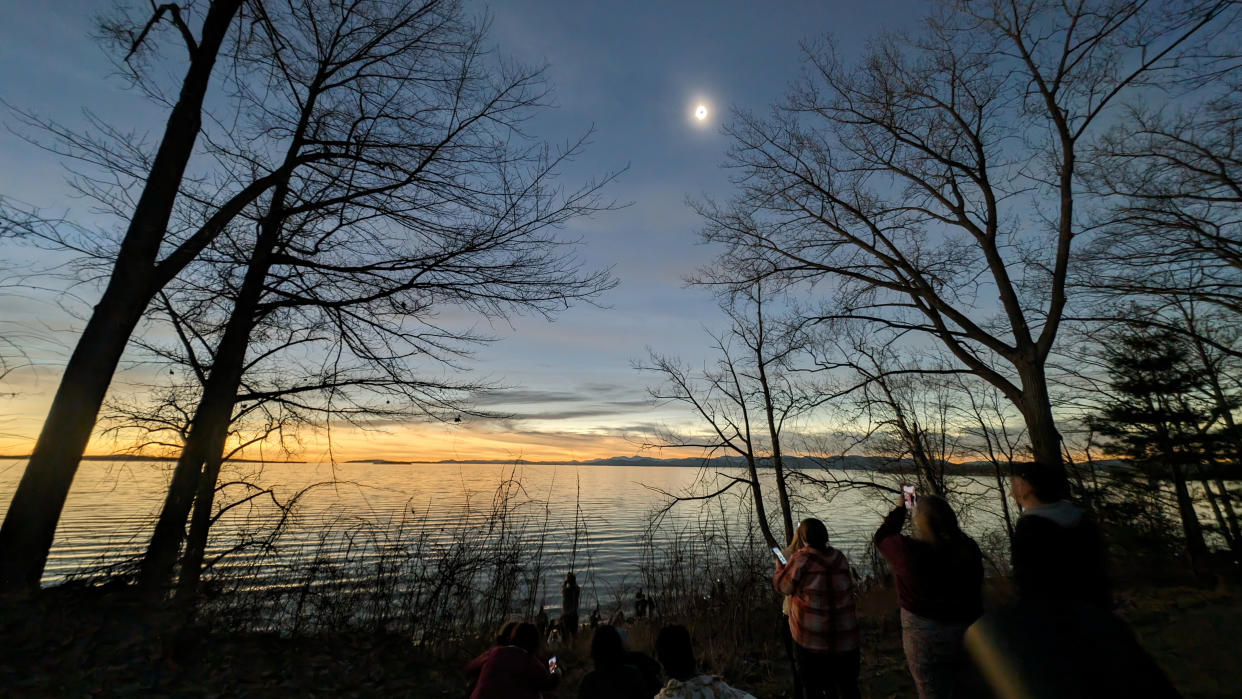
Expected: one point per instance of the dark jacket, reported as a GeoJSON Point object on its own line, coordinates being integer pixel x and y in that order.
{"type": "Point", "coordinates": [942, 582]}
{"type": "Point", "coordinates": [615, 682]}
{"type": "Point", "coordinates": [509, 672]}
{"type": "Point", "coordinates": [1059, 556]}
{"type": "Point", "coordinates": [569, 599]}
{"type": "Point", "coordinates": [648, 668]}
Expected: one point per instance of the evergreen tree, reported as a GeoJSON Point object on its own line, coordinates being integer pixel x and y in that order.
{"type": "Point", "coordinates": [1159, 417]}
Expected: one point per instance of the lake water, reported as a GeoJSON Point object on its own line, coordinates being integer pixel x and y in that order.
{"type": "Point", "coordinates": [112, 505]}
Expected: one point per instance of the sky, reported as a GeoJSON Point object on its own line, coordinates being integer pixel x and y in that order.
{"type": "Point", "coordinates": [632, 71]}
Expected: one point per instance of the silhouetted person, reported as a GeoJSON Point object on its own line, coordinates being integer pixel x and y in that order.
{"type": "Point", "coordinates": [939, 576]}
{"type": "Point", "coordinates": [1058, 551]}
{"type": "Point", "coordinates": [1054, 650]}
{"type": "Point", "coordinates": [640, 604]}
{"type": "Point", "coordinates": [1058, 638]}
{"type": "Point", "coordinates": [569, 606]}
{"type": "Point", "coordinates": [685, 682]}
{"type": "Point", "coordinates": [541, 620]}
{"type": "Point", "coordinates": [513, 671]}
{"type": "Point", "coordinates": [613, 677]}
{"type": "Point", "coordinates": [822, 619]}
{"type": "Point", "coordinates": [594, 618]}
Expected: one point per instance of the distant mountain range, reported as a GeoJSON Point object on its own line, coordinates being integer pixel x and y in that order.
{"type": "Point", "coordinates": [852, 463]}
{"type": "Point", "coordinates": [144, 457]}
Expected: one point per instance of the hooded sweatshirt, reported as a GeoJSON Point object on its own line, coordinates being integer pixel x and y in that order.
{"type": "Point", "coordinates": [1058, 556]}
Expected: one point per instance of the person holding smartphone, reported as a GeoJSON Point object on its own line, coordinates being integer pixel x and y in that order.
{"type": "Point", "coordinates": [514, 670]}
{"type": "Point", "coordinates": [822, 619]}
{"type": "Point", "coordinates": [939, 577]}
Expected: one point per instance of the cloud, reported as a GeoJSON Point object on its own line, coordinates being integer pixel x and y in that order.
{"type": "Point", "coordinates": [526, 396]}
{"type": "Point", "coordinates": [567, 414]}
{"type": "Point", "coordinates": [587, 400]}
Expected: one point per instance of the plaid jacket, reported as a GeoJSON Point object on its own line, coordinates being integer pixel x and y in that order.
{"type": "Point", "coordinates": [821, 600]}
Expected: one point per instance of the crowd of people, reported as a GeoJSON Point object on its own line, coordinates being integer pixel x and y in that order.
{"type": "Point", "coordinates": [513, 668]}
{"type": "Point", "coordinates": [1059, 571]}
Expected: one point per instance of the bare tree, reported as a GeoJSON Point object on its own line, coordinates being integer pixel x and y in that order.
{"type": "Point", "coordinates": [434, 200]}
{"type": "Point", "coordinates": [1168, 259]}
{"type": "Point", "coordinates": [1174, 233]}
{"type": "Point", "coordinates": [936, 182]}
{"type": "Point", "coordinates": [771, 350]}
{"type": "Point", "coordinates": [744, 401]}
{"type": "Point", "coordinates": [137, 274]}
{"type": "Point", "coordinates": [718, 398]}
{"type": "Point", "coordinates": [903, 408]}
{"type": "Point", "coordinates": [990, 431]}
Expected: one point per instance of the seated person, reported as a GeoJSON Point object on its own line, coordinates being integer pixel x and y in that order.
{"type": "Point", "coordinates": [502, 639]}
{"type": "Point", "coordinates": [613, 677]}
{"type": "Point", "coordinates": [685, 682]}
{"type": "Point", "coordinates": [513, 671]}
{"type": "Point", "coordinates": [647, 667]}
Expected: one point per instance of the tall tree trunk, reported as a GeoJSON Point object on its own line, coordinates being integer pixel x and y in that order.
{"type": "Point", "coordinates": [1230, 540]}
{"type": "Point", "coordinates": [930, 469]}
{"type": "Point", "coordinates": [1196, 547]}
{"type": "Point", "coordinates": [1004, 501]}
{"type": "Point", "coordinates": [30, 524]}
{"type": "Point", "coordinates": [761, 512]}
{"type": "Point", "coordinates": [1231, 515]}
{"type": "Point", "coordinates": [1036, 407]}
{"type": "Point", "coordinates": [1234, 442]}
{"type": "Point", "coordinates": [778, 465]}
{"type": "Point", "coordinates": [782, 490]}
{"type": "Point", "coordinates": [209, 429]}
{"type": "Point", "coordinates": [200, 526]}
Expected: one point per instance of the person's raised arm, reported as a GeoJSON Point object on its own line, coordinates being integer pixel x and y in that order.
{"type": "Point", "coordinates": [892, 524]}
{"type": "Point", "coordinates": [785, 579]}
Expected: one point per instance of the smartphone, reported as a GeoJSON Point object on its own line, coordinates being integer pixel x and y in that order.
{"type": "Point", "coordinates": [907, 495]}
{"type": "Point", "coordinates": [779, 556]}
{"type": "Point", "coordinates": [552, 664]}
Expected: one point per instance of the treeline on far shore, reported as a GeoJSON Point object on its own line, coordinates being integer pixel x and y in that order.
{"type": "Point", "coordinates": [879, 464]}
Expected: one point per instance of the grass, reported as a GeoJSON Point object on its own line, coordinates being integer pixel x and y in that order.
{"type": "Point", "coordinates": [80, 640]}
{"type": "Point", "coordinates": [398, 608]}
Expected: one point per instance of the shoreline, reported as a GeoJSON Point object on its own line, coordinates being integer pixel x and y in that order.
{"type": "Point", "coordinates": [66, 641]}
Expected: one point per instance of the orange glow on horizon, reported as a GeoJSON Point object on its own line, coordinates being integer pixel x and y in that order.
{"type": "Point", "coordinates": [415, 443]}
